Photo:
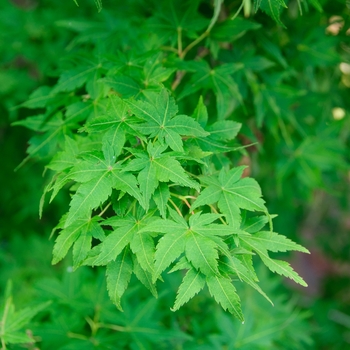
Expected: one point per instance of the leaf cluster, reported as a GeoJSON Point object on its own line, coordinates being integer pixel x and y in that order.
{"type": "Point", "coordinates": [144, 137]}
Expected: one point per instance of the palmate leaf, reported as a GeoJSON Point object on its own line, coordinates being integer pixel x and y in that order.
{"type": "Point", "coordinates": [220, 132]}
{"type": "Point", "coordinates": [98, 176]}
{"type": "Point", "coordinates": [116, 116]}
{"type": "Point", "coordinates": [73, 78]}
{"type": "Point", "coordinates": [161, 121]}
{"type": "Point", "coordinates": [232, 194]}
{"type": "Point", "coordinates": [220, 80]}
{"type": "Point", "coordinates": [12, 322]}
{"type": "Point", "coordinates": [193, 240]}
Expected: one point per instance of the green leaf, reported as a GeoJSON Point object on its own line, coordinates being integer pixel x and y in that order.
{"type": "Point", "coordinates": [191, 285]}
{"type": "Point", "coordinates": [161, 197]}
{"type": "Point", "coordinates": [118, 274]}
{"type": "Point", "coordinates": [144, 277]}
{"type": "Point", "coordinates": [142, 245]}
{"type": "Point", "coordinates": [74, 78]}
{"type": "Point", "coordinates": [261, 246]}
{"type": "Point", "coordinates": [115, 242]}
{"type": "Point", "coordinates": [124, 85]}
{"type": "Point", "coordinates": [273, 9]}
{"type": "Point", "coordinates": [224, 130]}
{"type": "Point", "coordinates": [89, 196]}
{"type": "Point", "coordinates": [246, 274]}
{"type": "Point", "coordinates": [232, 194]}
{"type": "Point", "coordinates": [66, 239]}
{"type": "Point", "coordinates": [202, 253]}
{"type": "Point", "coordinates": [225, 294]}
{"type": "Point", "coordinates": [169, 169]}
{"type": "Point", "coordinates": [81, 248]}
{"type": "Point", "coordinates": [274, 242]}
{"type": "Point", "coordinates": [161, 121]}
{"type": "Point", "coordinates": [170, 246]}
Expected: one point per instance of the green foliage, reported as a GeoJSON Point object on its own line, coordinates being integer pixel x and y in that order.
{"type": "Point", "coordinates": [12, 321]}
{"type": "Point", "coordinates": [137, 162]}
{"type": "Point", "coordinates": [146, 126]}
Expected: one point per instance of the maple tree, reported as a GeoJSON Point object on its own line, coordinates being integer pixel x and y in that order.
{"type": "Point", "coordinates": [147, 133]}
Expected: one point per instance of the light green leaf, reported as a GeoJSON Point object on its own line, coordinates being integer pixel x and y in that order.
{"type": "Point", "coordinates": [142, 245]}
{"type": "Point", "coordinates": [89, 196]}
{"type": "Point", "coordinates": [191, 285]}
{"type": "Point", "coordinates": [118, 274]}
{"type": "Point", "coordinates": [144, 277]}
{"type": "Point", "coordinates": [260, 246]}
{"type": "Point", "coordinates": [161, 197]}
{"type": "Point", "coordinates": [115, 242]}
{"type": "Point", "coordinates": [274, 242]}
{"type": "Point", "coordinates": [66, 238]}
{"type": "Point", "coordinates": [225, 294]}
{"type": "Point", "coordinates": [169, 248]}
{"type": "Point", "coordinates": [202, 253]}
{"type": "Point", "coordinates": [81, 248]}
{"type": "Point", "coordinates": [169, 169]}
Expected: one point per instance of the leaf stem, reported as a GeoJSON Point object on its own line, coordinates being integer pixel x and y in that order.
{"type": "Point", "coordinates": [184, 199]}
{"type": "Point", "coordinates": [216, 212]}
{"type": "Point", "coordinates": [169, 48]}
{"type": "Point", "coordinates": [114, 327]}
{"type": "Point", "coordinates": [176, 207]}
{"type": "Point", "coordinates": [179, 41]}
{"type": "Point", "coordinates": [193, 44]}
{"type": "Point", "coordinates": [105, 208]}
{"type": "Point", "coordinates": [238, 11]}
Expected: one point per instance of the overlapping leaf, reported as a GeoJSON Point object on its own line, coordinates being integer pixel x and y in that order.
{"type": "Point", "coordinates": [156, 166]}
